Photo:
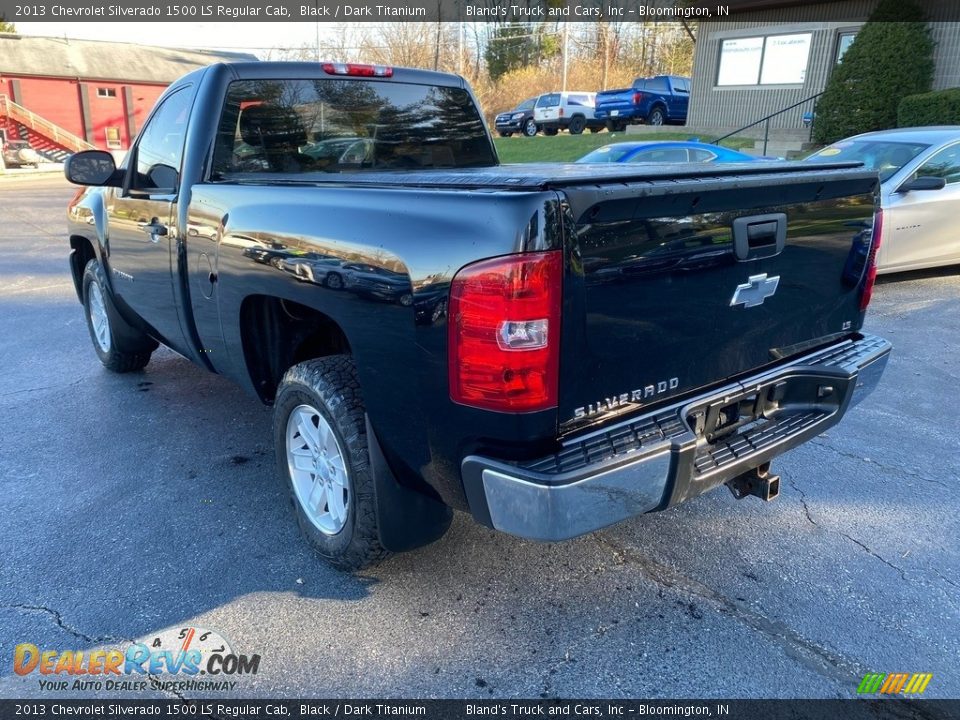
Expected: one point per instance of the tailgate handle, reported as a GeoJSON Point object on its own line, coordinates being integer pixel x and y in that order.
{"type": "Point", "coordinates": [759, 236]}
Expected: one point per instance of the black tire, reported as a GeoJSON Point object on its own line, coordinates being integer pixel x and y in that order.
{"type": "Point", "coordinates": [550, 131]}
{"type": "Point", "coordinates": [334, 281]}
{"type": "Point", "coordinates": [124, 348]}
{"type": "Point", "coordinates": [577, 124]}
{"type": "Point", "coordinates": [616, 125]}
{"type": "Point", "coordinates": [656, 117]}
{"type": "Point", "coordinates": [530, 128]}
{"type": "Point", "coordinates": [505, 134]}
{"type": "Point", "coordinates": [330, 386]}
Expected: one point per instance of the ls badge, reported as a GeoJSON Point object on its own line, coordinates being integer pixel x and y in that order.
{"type": "Point", "coordinates": [755, 290]}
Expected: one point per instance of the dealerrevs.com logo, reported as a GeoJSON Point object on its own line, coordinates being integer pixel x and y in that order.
{"type": "Point", "coordinates": [179, 659]}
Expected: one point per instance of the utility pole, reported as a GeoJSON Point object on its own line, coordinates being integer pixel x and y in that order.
{"type": "Point", "coordinates": [566, 53]}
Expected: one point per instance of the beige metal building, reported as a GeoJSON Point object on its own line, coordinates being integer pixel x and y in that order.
{"type": "Point", "coordinates": [770, 54]}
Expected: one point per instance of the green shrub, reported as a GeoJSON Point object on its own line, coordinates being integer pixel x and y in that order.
{"type": "Point", "coordinates": [891, 57]}
{"type": "Point", "coordinates": [933, 108]}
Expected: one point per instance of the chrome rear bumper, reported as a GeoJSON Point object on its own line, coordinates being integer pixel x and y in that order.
{"type": "Point", "coordinates": [662, 458]}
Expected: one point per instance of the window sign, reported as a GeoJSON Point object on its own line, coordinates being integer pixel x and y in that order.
{"type": "Point", "coordinates": [785, 59]}
{"type": "Point", "coordinates": [771, 60]}
{"type": "Point", "coordinates": [740, 61]}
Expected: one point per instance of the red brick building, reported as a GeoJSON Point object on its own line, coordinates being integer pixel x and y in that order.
{"type": "Point", "coordinates": [65, 95]}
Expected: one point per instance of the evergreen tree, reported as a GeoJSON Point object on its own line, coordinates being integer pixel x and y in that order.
{"type": "Point", "coordinates": [891, 57]}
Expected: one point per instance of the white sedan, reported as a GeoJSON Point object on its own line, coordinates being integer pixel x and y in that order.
{"type": "Point", "coordinates": [919, 192]}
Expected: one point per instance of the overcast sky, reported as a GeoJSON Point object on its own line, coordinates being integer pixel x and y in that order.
{"type": "Point", "coordinates": [256, 37]}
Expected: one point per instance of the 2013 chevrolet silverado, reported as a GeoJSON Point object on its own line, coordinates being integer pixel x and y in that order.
{"type": "Point", "coordinates": [552, 348]}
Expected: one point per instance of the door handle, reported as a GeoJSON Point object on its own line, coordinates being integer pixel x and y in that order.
{"type": "Point", "coordinates": [155, 229]}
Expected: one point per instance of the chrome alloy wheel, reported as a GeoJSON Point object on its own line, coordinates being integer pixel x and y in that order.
{"type": "Point", "coordinates": [98, 318]}
{"type": "Point", "coordinates": [317, 468]}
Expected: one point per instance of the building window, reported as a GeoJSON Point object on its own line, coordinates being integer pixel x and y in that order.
{"type": "Point", "coordinates": [844, 40]}
{"type": "Point", "coordinates": [770, 60]}
{"type": "Point", "coordinates": [113, 138]}
{"type": "Point", "coordinates": [106, 92]}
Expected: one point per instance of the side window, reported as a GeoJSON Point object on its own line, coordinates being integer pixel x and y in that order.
{"type": "Point", "coordinates": [160, 149]}
{"type": "Point", "coordinates": [657, 85]}
{"type": "Point", "coordinates": [666, 155]}
{"type": "Point", "coordinates": [699, 155]}
{"type": "Point", "coordinates": [945, 164]}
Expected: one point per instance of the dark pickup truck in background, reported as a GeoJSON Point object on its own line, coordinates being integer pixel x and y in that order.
{"type": "Point", "coordinates": [655, 101]}
{"type": "Point", "coordinates": [552, 348]}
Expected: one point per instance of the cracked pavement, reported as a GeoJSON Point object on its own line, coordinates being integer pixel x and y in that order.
{"type": "Point", "coordinates": [137, 503]}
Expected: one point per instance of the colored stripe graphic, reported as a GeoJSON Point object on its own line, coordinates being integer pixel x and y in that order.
{"type": "Point", "coordinates": [894, 683]}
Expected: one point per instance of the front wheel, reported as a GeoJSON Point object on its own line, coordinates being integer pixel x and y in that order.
{"type": "Point", "coordinates": [120, 347]}
{"type": "Point", "coordinates": [321, 447]}
{"type": "Point", "coordinates": [530, 128]}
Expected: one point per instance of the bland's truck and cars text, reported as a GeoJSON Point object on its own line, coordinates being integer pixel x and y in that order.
{"type": "Point", "coordinates": [552, 348]}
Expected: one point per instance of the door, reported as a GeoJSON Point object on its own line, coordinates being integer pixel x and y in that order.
{"type": "Point", "coordinates": [920, 226]}
{"type": "Point", "coordinates": [142, 242]}
{"type": "Point", "coordinates": [680, 98]}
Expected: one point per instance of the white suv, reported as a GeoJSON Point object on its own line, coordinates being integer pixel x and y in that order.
{"type": "Point", "coordinates": [571, 110]}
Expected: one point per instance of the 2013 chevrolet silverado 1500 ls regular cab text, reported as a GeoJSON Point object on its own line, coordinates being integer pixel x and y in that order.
{"type": "Point", "coordinates": [552, 348]}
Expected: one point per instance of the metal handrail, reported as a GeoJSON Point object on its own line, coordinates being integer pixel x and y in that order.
{"type": "Point", "coordinates": [766, 129]}
{"type": "Point", "coordinates": [20, 114]}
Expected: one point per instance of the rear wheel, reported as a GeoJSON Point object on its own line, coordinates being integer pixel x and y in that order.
{"type": "Point", "coordinates": [656, 117]}
{"type": "Point", "coordinates": [530, 128]}
{"type": "Point", "coordinates": [577, 124]}
{"type": "Point", "coordinates": [321, 447]}
{"type": "Point", "coordinates": [120, 348]}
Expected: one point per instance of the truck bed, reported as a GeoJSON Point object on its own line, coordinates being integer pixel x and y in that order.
{"type": "Point", "coordinates": [543, 176]}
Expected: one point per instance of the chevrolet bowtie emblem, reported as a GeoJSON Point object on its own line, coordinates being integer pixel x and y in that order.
{"type": "Point", "coordinates": [755, 290]}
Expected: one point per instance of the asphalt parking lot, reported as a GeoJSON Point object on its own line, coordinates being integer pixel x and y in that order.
{"type": "Point", "coordinates": [135, 503]}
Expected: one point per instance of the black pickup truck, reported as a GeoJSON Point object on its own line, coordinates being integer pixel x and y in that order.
{"type": "Point", "coordinates": [551, 348]}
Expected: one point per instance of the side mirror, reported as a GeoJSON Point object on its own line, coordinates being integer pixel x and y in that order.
{"type": "Point", "coordinates": [923, 183]}
{"type": "Point", "coordinates": [91, 167]}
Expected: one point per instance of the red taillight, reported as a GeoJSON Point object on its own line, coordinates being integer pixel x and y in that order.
{"type": "Point", "coordinates": [505, 332]}
{"type": "Point", "coordinates": [637, 97]}
{"type": "Point", "coordinates": [357, 70]}
{"type": "Point", "coordinates": [871, 278]}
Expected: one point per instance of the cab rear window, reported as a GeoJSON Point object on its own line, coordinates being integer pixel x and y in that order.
{"type": "Point", "coordinates": [333, 125]}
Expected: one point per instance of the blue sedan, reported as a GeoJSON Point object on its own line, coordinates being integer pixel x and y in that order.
{"type": "Point", "coordinates": [664, 152]}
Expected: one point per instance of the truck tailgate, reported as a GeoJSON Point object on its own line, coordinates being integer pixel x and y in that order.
{"type": "Point", "coordinates": [675, 286]}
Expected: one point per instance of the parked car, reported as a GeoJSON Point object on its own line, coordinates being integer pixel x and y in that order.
{"type": "Point", "coordinates": [18, 153]}
{"type": "Point", "coordinates": [481, 355]}
{"type": "Point", "coordinates": [570, 110]}
{"type": "Point", "coordinates": [664, 152]}
{"type": "Point", "coordinates": [919, 192]}
{"type": "Point", "coordinates": [518, 120]}
{"type": "Point", "coordinates": [655, 101]}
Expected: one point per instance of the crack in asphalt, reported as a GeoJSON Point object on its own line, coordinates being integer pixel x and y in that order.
{"type": "Point", "coordinates": [824, 662]}
{"type": "Point", "coordinates": [888, 468]}
{"type": "Point", "coordinates": [803, 501]}
{"type": "Point", "coordinates": [58, 620]}
{"type": "Point", "coordinates": [42, 388]}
